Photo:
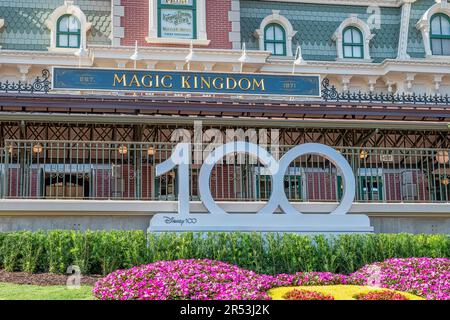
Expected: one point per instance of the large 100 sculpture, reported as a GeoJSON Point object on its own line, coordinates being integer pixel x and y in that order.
{"type": "Point", "coordinates": [266, 219]}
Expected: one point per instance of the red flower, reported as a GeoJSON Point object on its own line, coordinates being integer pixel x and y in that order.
{"type": "Point", "coordinates": [306, 295]}
{"type": "Point", "coordinates": [380, 295]}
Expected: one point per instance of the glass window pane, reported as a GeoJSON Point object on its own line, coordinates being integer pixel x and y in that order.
{"type": "Point", "coordinates": [348, 36]}
{"type": "Point", "coordinates": [279, 33]}
{"type": "Point", "coordinates": [348, 52]}
{"type": "Point", "coordinates": [356, 36]}
{"type": "Point", "coordinates": [445, 27]}
{"type": "Point", "coordinates": [437, 46]}
{"type": "Point", "coordinates": [64, 24]}
{"type": "Point", "coordinates": [270, 33]}
{"type": "Point", "coordinates": [436, 25]}
{"type": "Point", "coordinates": [74, 24]}
{"type": "Point", "coordinates": [73, 41]}
{"type": "Point", "coordinates": [63, 40]}
{"type": "Point", "coordinates": [279, 48]}
{"type": "Point", "coordinates": [357, 52]}
{"type": "Point", "coordinates": [270, 47]}
{"type": "Point", "coordinates": [446, 47]}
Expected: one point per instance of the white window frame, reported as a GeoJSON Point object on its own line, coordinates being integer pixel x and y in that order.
{"type": "Point", "coordinates": [424, 25]}
{"type": "Point", "coordinates": [277, 18]}
{"type": "Point", "coordinates": [67, 9]}
{"type": "Point", "coordinates": [353, 21]}
{"type": "Point", "coordinates": [201, 37]}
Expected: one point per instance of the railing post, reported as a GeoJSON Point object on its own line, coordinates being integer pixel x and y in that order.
{"type": "Point", "coordinates": [6, 171]}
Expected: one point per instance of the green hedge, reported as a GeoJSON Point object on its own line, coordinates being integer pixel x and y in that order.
{"type": "Point", "coordinates": [103, 252]}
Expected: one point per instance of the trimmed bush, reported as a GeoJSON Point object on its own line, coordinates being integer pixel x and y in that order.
{"type": "Point", "coordinates": [101, 252]}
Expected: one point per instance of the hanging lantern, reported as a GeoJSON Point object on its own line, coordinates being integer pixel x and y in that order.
{"type": "Point", "coordinates": [151, 152]}
{"type": "Point", "coordinates": [123, 150]}
{"type": "Point", "coordinates": [442, 157]}
{"type": "Point", "coordinates": [445, 181]}
{"type": "Point", "coordinates": [37, 148]}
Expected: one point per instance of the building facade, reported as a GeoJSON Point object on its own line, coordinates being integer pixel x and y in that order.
{"type": "Point", "coordinates": [85, 158]}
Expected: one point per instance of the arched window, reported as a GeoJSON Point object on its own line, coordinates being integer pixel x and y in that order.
{"type": "Point", "coordinates": [68, 34]}
{"type": "Point", "coordinates": [275, 39]}
{"type": "Point", "coordinates": [440, 34]}
{"type": "Point", "coordinates": [353, 45]}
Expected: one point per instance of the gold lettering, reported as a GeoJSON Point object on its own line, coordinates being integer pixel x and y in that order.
{"type": "Point", "coordinates": [195, 82]}
{"type": "Point", "coordinates": [149, 83]}
{"type": "Point", "coordinates": [259, 84]}
{"type": "Point", "coordinates": [229, 81]}
{"type": "Point", "coordinates": [185, 81]}
{"type": "Point", "coordinates": [247, 87]}
{"type": "Point", "coordinates": [218, 86]}
{"type": "Point", "coordinates": [163, 81]}
{"type": "Point", "coordinates": [205, 82]}
{"type": "Point", "coordinates": [120, 80]}
{"type": "Point", "coordinates": [135, 81]}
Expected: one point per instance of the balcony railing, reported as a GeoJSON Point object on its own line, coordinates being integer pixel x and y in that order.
{"type": "Point", "coordinates": [126, 171]}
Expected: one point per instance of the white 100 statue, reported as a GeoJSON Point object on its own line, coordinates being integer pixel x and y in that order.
{"type": "Point", "coordinates": [266, 219]}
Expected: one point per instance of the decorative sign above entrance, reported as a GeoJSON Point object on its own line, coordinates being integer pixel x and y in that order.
{"type": "Point", "coordinates": [185, 82]}
{"type": "Point", "coordinates": [266, 219]}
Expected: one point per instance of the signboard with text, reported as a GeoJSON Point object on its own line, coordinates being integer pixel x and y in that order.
{"type": "Point", "coordinates": [185, 82]}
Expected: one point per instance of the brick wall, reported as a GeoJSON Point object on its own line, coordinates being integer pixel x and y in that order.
{"type": "Point", "coordinates": [136, 23]}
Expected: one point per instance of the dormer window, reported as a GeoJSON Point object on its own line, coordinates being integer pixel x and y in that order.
{"type": "Point", "coordinates": [353, 43]}
{"type": "Point", "coordinates": [68, 28]}
{"type": "Point", "coordinates": [275, 34]}
{"type": "Point", "coordinates": [440, 34]}
{"type": "Point", "coordinates": [352, 39]}
{"type": "Point", "coordinates": [68, 32]}
{"type": "Point", "coordinates": [275, 39]}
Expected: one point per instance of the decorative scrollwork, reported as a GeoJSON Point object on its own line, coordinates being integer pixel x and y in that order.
{"type": "Point", "coordinates": [40, 85]}
{"type": "Point", "coordinates": [329, 93]}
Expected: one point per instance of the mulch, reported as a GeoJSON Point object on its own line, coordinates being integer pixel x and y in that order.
{"type": "Point", "coordinates": [43, 279]}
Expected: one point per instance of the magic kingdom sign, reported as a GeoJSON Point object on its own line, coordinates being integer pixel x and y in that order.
{"type": "Point", "coordinates": [185, 82]}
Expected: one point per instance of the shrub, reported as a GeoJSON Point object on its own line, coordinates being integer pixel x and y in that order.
{"type": "Point", "coordinates": [101, 252]}
{"type": "Point", "coordinates": [380, 295]}
{"type": "Point", "coordinates": [297, 294]}
{"type": "Point", "coordinates": [425, 277]}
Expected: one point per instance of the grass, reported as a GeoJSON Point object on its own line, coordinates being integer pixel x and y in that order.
{"type": "Point", "coordinates": [28, 292]}
{"type": "Point", "coordinates": [339, 292]}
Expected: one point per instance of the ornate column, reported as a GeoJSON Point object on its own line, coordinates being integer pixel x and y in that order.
{"type": "Point", "coordinates": [404, 30]}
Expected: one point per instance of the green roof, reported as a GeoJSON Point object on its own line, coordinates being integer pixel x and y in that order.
{"type": "Point", "coordinates": [25, 27]}
{"type": "Point", "coordinates": [316, 23]}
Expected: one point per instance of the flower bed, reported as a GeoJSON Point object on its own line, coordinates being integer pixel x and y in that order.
{"type": "Point", "coordinates": [425, 277]}
{"type": "Point", "coordinates": [380, 295]}
{"type": "Point", "coordinates": [306, 295]}
{"type": "Point", "coordinates": [199, 280]}
{"type": "Point", "coordinates": [208, 279]}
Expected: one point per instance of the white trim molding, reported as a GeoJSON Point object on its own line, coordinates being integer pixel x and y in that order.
{"type": "Point", "coordinates": [353, 21]}
{"type": "Point", "coordinates": [117, 30]}
{"type": "Point", "coordinates": [67, 8]}
{"type": "Point", "coordinates": [201, 37]}
{"type": "Point", "coordinates": [424, 24]}
{"type": "Point", "coordinates": [276, 17]}
{"type": "Point", "coordinates": [234, 16]}
{"type": "Point", "coordinates": [402, 53]}
{"type": "Point", "coordinates": [2, 23]}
